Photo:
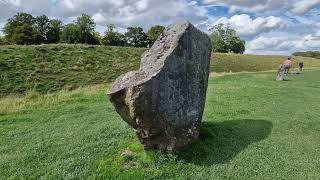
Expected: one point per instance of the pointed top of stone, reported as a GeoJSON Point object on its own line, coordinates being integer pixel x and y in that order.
{"type": "Point", "coordinates": [153, 60]}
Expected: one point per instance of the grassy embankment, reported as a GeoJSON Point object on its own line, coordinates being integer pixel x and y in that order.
{"type": "Point", "coordinates": [253, 128]}
{"type": "Point", "coordinates": [48, 68]}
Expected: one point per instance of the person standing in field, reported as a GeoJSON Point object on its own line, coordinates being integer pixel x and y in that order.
{"type": "Point", "coordinates": [301, 65]}
{"type": "Point", "coordinates": [287, 64]}
{"type": "Point", "coordinates": [284, 69]}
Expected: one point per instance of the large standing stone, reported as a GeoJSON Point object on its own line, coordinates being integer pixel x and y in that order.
{"type": "Point", "coordinates": [281, 73]}
{"type": "Point", "coordinates": [164, 100]}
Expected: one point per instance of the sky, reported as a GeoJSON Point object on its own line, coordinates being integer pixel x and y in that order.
{"type": "Point", "coordinates": [268, 26]}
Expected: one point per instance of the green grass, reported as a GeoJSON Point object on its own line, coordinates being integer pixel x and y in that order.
{"type": "Point", "coordinates": [253, 128]}
{"type": "Point", "coordinates": [49, 68]}
{"type": "Point", "coordinates": [254, 63]}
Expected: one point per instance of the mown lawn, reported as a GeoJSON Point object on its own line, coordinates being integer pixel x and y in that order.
{"type": "Point", "coordinates": [253, 128]}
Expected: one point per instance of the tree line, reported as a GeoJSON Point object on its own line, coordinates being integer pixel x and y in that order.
{"type": "Point", "coordinates": [25, 29]}
{"type": "Point", "coordinates": [312, 54]}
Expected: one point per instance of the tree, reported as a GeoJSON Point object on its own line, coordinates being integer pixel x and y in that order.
{"type": "Point", "coordinates": [86, 27]}
{"type": "Point", "coordinates": [20, 19]}
{"type": "Point", "coordinates": [70, 34]}
{"type": "Point", "coordinates": [237, 45]}
{"type": "Point", "coordinates": [154, 32]}
{"type": "Point", "coordinates": [80, 32]}
{"type": "Point", "coordinates": [55, 29]}
{"type": "Point", "coordinates": [112, 38]}
{"type": "Point", "coordinates": [96, 38]}
{"type": "Point", "coordinates": [218, 44]}
{"type": "Point", "coordinates": [20, 30]}
{"type": "Point", "coordinates": [42, 25]}
{"type": "Point", "coordinates": [135, 37]}
{"type": "Point", "coordinates": [3, 40]}
{"type": "Point", "coordinates": [224, 39]}
{"type": "Point", "coordinates": [25, 35]}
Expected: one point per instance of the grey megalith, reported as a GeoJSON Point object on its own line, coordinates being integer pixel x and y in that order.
{"type": "Point", "coordinates": [164, 100]}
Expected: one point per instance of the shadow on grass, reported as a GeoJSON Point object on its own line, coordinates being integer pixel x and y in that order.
{"type": "Point", "coordinates": [219, 143]}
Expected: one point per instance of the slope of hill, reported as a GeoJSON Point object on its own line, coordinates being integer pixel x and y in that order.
{"type": "Point", "coordinates": [252, 63]}
{"type": "Point", "coordinates": [48, 68]}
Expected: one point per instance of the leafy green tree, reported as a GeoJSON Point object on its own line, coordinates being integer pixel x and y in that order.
{"type": "Point", "coordinates": [54, 32]}
{"type": "Point", "coordinates": [80, 32]}
{"type": "Point", "coordinates": [218, 44]}
{"type": "Point", "coordinates": [97, 35]}
{"type": "Point", "coordinates": [135, 37]}
{"type": "Point", "coordinates": [154, 32]}
{"type": "Point", "coordinates": [86, 27]}
{"type": "Point", "coordinates": [25, 35]}
{"type": "Point", "coordinates": [20, 29]}
{"type": "Point", "coordinates": [237, 45]}
{"type": "Point", "coordinates": [95, 39]}
{"type": "Point", "coordinates": [20, 19]}
{"type": "Point", "coordinates": [42, 25]}
{"type": "Point", "coordinates": [2, 40]}
{"type": "Point", "coordinates": [70, 34]}
{"type": "Point", "coordinates": [112, 38]}
{"type": "Point", "coordinates": [224, 39]}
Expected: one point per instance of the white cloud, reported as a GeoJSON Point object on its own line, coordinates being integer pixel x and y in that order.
{"type": "Point", "coordinates": [135, 13]}
{"type": "Point", "coordinates": [283, 44]}
{"type": "Point", "coordinates": [310, 41]}
{"type": "Point", "coordinates": [274, 43]}
{"type": "Point", "coordinates": [9, 7]}
{"type": "Point", "coordinates": [246, 26]}
{"type": "Point", "coordinates": [303, 6]}
{"type": "Point", "coordinates": [294, 6]}
{"type": "Point", "coordinates": [249, 5]}
{"type": "Point", "coordinates": [122, 13]}
{"type": "Point", "coordinates": [99, 18]}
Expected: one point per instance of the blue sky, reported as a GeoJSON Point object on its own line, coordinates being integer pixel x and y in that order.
{"type": "Point", "coordinates": [268, 26]}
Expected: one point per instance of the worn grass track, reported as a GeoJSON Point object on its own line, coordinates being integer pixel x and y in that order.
{"type": "Point", "coordinates": [253, 128]}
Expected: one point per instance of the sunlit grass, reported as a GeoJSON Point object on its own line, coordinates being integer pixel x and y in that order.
{"type": "Point", "coordinates": [253, 128]}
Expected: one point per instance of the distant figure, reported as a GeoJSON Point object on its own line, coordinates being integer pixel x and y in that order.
{"type": "Point", "coordinates": [287, 64]}
{"type": "Point", "coordinates": [301, 65]}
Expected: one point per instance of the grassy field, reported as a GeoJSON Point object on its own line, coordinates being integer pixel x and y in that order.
{"type": "Point", "coordinates": [253, 128]}
{"type": "Point", "coordinates": [254, 63]}
{"type": "Point", "coordinates": [48, 68]}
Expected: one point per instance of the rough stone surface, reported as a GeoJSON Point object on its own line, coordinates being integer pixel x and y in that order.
{"type": "Point", "coordinates": [164, 100]}
{"type": "Point", "coordinates": [281, 73]}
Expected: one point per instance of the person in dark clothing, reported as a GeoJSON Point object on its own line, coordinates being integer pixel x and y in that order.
{"type": "Point", "coordinates": [301, 65]}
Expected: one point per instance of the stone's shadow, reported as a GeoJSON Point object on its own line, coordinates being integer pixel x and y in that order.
{"type": "Point", "coordinates": [220, 142]}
